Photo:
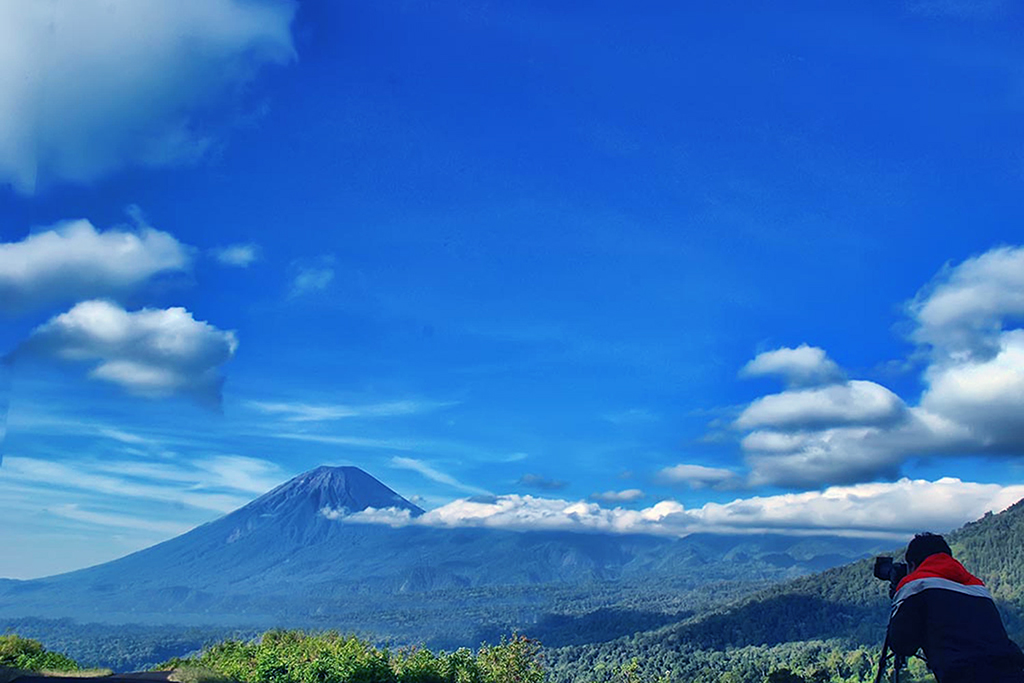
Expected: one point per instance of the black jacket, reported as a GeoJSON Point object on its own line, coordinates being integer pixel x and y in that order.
{"type": "Point", "coordinates": [944, 610]}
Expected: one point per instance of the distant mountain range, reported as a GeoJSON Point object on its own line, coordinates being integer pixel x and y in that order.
{"type": "Point", "coordinates": [293, 558]}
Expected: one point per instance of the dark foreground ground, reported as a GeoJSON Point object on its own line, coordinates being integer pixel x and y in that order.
{"type": "Point", "coordinates": [141, 677]}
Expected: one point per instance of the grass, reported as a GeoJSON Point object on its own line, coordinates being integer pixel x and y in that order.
{"type": "Point", "coordinates": [7, 674]}
{"type": "Point", "coordinates": [196, 674]}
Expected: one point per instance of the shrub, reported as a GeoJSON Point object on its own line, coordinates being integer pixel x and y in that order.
{"type": "Point", "coordinates": [30, 655]}
{"type": "Point", "coordinates": [297, 657]}
{"type": "Point", "coordinates": [516, 660]}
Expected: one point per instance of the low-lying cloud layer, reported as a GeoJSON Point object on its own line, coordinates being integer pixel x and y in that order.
{"type": "Point", "coordinates": [71, 261]}
{"type": "Point", "coordinates": [151, 352]}
{"type": "Point", "coordinates": [88, 87]}
{"type": "Point", "coordinates": [883, 510]}
{"type": "Point", "coordinates": [845, 431]}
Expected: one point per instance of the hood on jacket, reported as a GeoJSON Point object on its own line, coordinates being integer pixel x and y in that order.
{"type": "Point", "coordinates": [941, 566]}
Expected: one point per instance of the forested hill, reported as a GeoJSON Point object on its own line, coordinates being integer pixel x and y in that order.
{"type": "Point", "coordinates": [849, 602]}
{"type": "Point", "coordinates": [846, 607]}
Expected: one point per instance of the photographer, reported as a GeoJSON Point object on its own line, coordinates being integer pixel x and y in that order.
{"type": "Point", "coordinates": [941, 608]}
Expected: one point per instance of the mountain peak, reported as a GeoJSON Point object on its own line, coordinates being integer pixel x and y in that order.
{"type": "Point", "coordinates": [338, 489]}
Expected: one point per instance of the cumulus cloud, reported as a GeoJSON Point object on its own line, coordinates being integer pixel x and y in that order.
{"type": "Point", "coordinates": [985, 395]}
{"type": "Point", "coordinates": [151, 352]}
{"type": "Point", "coordinates": [883, 510]}
{"type": "Point", "coordinates": [537, 481]}
{"type": "Point", "coordinates": [966, 325]}
{"type": "Point", "coordinates": [237, 255]}
{"type": "Point", "coordinates": [853, 403]}
{"type": "Point", "coordinates": [72, 260]}
{"type": "Point", "coordinates": [393, 517]}
{"type": "Point", "coordinates": [803, 366]}
{"type": "Point", "coordinates": [960, 314]}
{"type": "Point", "coordinates": [88, 87]}
{"type": "Point", "coordinates": [696, 476]}
{"type": "Point", "coordinates": [626, 496]}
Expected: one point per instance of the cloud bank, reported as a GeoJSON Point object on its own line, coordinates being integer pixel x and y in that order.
{"type": "Point", "coordinates": [71, 260]}
{"type": "Point", "coordinates": [88, 87]}
{"type": "Point", "coordinates": [880, 510]}
{"type": "Point", "coordinates": [966, 325]}
{"type": "Point", "coordinates": [151, 352]}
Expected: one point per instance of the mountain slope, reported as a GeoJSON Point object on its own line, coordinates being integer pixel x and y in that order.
{"type": "Point", "coordinates": [285, 560]}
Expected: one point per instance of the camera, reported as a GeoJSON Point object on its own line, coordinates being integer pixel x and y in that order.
{"type": "Point", "coordinates": [893, 572]}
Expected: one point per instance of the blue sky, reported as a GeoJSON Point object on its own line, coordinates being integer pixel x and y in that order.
{"type": "Point", "coordinates": [654, 268]}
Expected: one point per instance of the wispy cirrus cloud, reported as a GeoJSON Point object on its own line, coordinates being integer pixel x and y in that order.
{"type": "Point", "coordinates": [435, 475]}
{"type": "Point", "coordinates": [108, 519]}
{"type": "Point", "coordinates": [181, 485]}
{"type": "Point", "coordinates": [308, 412]}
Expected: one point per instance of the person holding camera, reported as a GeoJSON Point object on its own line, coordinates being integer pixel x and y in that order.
{"type": "Point", "coordinates": [941, 608]}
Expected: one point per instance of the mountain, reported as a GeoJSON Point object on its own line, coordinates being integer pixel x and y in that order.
{"type": "Point", "coordinates": [296, 557]}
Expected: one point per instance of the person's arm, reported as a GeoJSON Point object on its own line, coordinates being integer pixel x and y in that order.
{"type": "Point", "coordinates": [906, 626]}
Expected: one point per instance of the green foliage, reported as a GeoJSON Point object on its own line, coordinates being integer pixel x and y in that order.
{"type": "Point", "coordinates": [516, 660]}
{"type": "Point", "coordinates": [298, 657]}
{"type": "Point", "coordinates": [30, 655]}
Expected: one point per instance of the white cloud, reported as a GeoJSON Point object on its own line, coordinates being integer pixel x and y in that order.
{"type": "Point", "coordinates": [696, 476]}
{"type": "Point", "coordinates": [435, 475]}
{"type": "Point", "coordinates": [972, 402]}
{"type": "Point", "coordinates": [960, 314]}
{"type": "Point", "coordinates": [803, 366]}
{"type": "Point", "coordinates": [626, 496]}
{"type": "Point", "coordinates": [237, 255]}
{"type": "Point", "coordinates": [239, 473]}
{"type": "Point", "coordinates": [151, 352]}
{"type": "Point", "coordinates": [77, 513]}
{"type": "Point", "coordinates": [71, 261]}
{"type": "Point", "coordinates": [311, 279]}
{"type": "Point", "coordinates": [852, 403]}
{"type": "Point", "coordinates": [184, 486]}
{"type": "Point", "coordinates": [88, 87]}
{"type": "Point", "coordinates": [984, 395]}
{"type": "Point", "coordinates": [883, 510]}
{"type": "Point", "coordinates": [904, 506]}
{"type": "Point", "coordinates": [306, 412]}
{"type": "Point", "coordinates": [393, 517]}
